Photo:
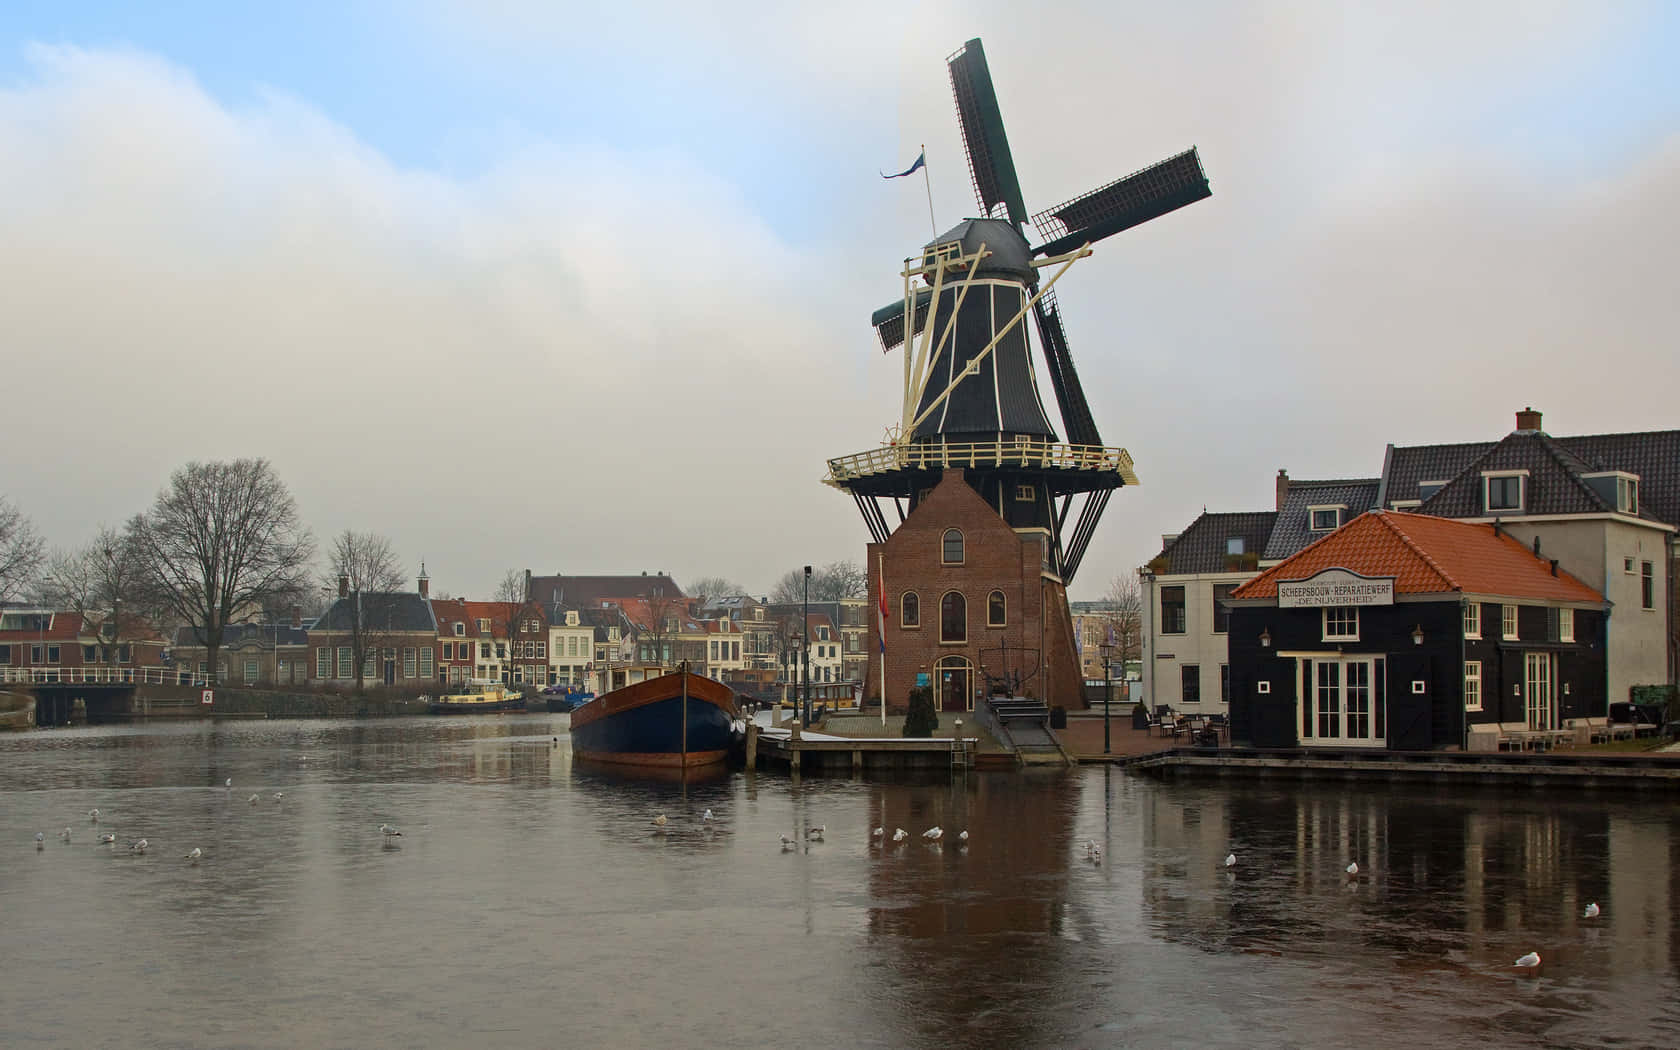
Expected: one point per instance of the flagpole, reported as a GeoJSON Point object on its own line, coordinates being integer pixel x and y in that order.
{"type": "Point", "coordinates": [881, 622]}
{"type": "Point", "coordinates": [926, 184]}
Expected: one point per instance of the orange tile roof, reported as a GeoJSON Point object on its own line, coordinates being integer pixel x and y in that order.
{"type": "Point", "coordinates": [1428, 555]}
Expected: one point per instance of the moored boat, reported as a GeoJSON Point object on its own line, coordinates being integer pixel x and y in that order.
{"type": "Point", "coordinates": [17, 710]}
{"type": "Point", "coordinates": [478, 696]}
{"type": "Point", "coordinates": [678, 720]}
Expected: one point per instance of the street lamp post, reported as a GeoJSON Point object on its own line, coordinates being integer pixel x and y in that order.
{"type": "Point", "coordinates": [805, 647]}
{"type": "Point", "coordinates": [1107, 650]}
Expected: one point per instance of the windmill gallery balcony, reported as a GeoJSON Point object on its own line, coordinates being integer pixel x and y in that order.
{"type": "Point", "coordinates": [1023, 453]}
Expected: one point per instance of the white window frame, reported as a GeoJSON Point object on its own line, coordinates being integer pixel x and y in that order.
{"type": "Point", "coordinates": [1508, 627]}
{"type": "Point", "coordinates": [1473, 621]}
{"type": "Point", "coordinates": [323, 661]}
{"type": "Point", "coordinates": [1472, 685]}
{"type": "Point", "coordinates": [1488, 477]}
{"type": "Point", "coordinates": [428, 667]}
{"type": "Point", "coordinates": [460, 628]}
{"type": "Point", "coordinates": [1337, 508]}
{"type": "Point", "coordinates": [253, 671]}
{"type": "Point", "coordinates": [1352, 610]}
{"type": "Point", "coordinates": [1566, 625]}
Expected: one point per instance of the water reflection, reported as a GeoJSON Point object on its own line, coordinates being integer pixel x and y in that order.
{"type": "Point", "coordinates": [531, 902]}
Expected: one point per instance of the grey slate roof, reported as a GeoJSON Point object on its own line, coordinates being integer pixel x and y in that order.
{"type": "Point", "coordinates": [385, 610]}
{"type": "Point", "coordinates": [577, 592]}
{"type": "Point", "coordinates": [1409, 465]}
{"type": "Point", "coordinates": [1202, 546]}
{"type": "Point", "coordinates": [1654, 455]}
{"type": "Point", "coordinates": [235, 635]}
{"type": "Point", "coordinates": [1291, 532]}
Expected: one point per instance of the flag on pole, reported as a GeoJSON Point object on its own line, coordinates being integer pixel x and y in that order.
{"type": "Point", "coordinates": [921, 159]}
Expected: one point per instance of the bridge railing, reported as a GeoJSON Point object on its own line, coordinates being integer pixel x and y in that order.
{"type": "Point", "coordinates": [101, 676]}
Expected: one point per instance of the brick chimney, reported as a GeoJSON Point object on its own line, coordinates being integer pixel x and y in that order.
{"type": "Point", "coordinates": [1528, 419]}
{"type": "Point", "coordinates": [343, 585]}
{"type": "Point", "coordinates": [425, 582]}
{"type": "Point", "coordinates": [1282, 488]}
{"type": "Point", "coordinates": [297, 616]}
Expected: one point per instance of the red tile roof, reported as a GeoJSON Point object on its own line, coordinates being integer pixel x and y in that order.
{"type": "Point", "coordinates": [1428, 555]}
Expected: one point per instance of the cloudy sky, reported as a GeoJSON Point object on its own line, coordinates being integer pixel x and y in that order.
{"type": "Point", "coordinates": [585, 288]}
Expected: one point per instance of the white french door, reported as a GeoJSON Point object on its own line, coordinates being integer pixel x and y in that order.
{"type": "Point", "coordinates": [1343, 703]}
{"type": "Point", "coordinates": [1538, 679]}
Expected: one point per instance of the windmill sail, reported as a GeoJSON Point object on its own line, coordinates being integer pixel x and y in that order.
{"type": "Point", "coordinates": [1123, 203]}
{"type": "Point", "coordinates": [1070, 396]}
{"type": "Point", "coordinates": [989, 161]}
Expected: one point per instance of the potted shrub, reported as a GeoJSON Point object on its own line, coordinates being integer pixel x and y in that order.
{"type": "Point", "coordinates": [1140, 716]}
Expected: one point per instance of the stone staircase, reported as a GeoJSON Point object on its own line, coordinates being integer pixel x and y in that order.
{"type": "Point", "coordinates": [1024, 725]}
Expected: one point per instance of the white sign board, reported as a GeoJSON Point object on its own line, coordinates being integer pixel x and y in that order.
{"type": "Point", "coordinates": [209, 697]}
{"type": "Point", "coordinates": [1335, 587]}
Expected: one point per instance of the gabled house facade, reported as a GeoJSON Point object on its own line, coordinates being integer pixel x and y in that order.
{"type": "Point", "coordinates": [1405, 631]}
{"type": "Point", "coordinates": [1606, 506]}
{"type": "Point", "coordinates": [401, 640]}
{"type": "Point", "coordinates": [457, 641]}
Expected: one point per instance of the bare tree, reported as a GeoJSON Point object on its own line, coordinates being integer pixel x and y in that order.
{"type": "Point", "coordinates": [710, 588]}
{"type": "Point", "coordinates": [663, 609]}
{"type": "Point", "coordinates": [365, 570]}
{"type": "Point", "coordinates": [1124, 616]}
{"type": "Point", "coordinates": [831, 582]}
{"type": "Point", "coordinates": [221, 537]}
{"type": "Point", "coordinates": [106, 583]}
{"type": "Point", "coordinates": [515, 606]}
{"type": "Point", "coordinates": [21, 550]}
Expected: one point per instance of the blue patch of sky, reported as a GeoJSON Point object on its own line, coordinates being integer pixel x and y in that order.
{"type": "Point", "coordinates": [389, 81]}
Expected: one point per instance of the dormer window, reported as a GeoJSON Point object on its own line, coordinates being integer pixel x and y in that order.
{"type": "Point", "coordinates": [1503, 491]}
{"type": "Point", "coordinates": [1324, 519]}
{"type": "Point", "coordinates": [460, 628]}
{"type": "Point", "coordinates": [571, 618]}
{"type": "Point", "coordinates": [1617, 488]}
{"type": "Point", "coordinates": [1427, 489]}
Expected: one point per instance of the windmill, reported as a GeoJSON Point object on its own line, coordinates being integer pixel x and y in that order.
{"type": "Point", "coordinates": [971, 395]}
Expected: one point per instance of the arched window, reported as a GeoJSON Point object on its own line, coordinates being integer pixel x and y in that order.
{"type": "Point", "coordinates": [951, 551]}
{"type": "Point", "coordinates": [995, 609]}
{"type": "Point", "coordinates": [909, 610]}
{"type": "Point", "coordinates": [953, 618]}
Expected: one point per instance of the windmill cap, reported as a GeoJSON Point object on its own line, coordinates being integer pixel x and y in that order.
{"type": "Point", "coordinates": [1009, 255]}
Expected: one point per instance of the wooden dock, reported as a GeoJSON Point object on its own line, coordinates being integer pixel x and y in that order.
{"type": "Point", "coordinates": [1659, 770]}
{"type": "Point", "coordinates": [802, 752]}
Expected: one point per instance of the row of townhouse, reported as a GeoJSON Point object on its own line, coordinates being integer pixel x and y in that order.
{"type": "Point", "coordinates": [594, 632]}
{"type": "Point", "coordinates": [38, 643]}
{"type": "Point", "coordinates": [1601, 510]}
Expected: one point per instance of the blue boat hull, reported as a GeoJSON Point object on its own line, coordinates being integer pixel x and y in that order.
{"type": "Point", "coordinates": [642, 724]}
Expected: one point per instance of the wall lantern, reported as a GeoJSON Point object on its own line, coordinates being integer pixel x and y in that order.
{"type": "Point", "coordinates": [1265, 638]}
{"type": "Point", "coordinates": [1417, 635]}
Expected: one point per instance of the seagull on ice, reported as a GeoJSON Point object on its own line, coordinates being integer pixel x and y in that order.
{"type": "Point", "coordinates": [816, 833]}
{"type": "Point", "coordinates": [40, 840]}
{"type": "Point", "coordinates": [1230, 860]}
{"type": "Point", "coordinates": [707, 816]}
{"type": "Point", "coordinates": [278, 795]}
{"type": "Point", "coordinates": [878, 834]}
{"type": "Point", "coordinates": [661, 820]}
{"type": "Point", "coordinates": [962, 836]}
{"type": "Point", "coordinates": [389, 831]}
{"type": "Point", "coordinates": [139, 847]}
{"type": "Point", "coordinates": [228, 783]}
{"type": "Point", "coordinates": [1591, 912]}
{"type": "Point", "coordinates": [107, 840]}
{"type": "Point", "coordinates": [1528, 962]}
{"type": "Point", "coordinates": [934, 834]}
{"type": "Point", "coordinates": [93, 815]}
{"type": "Point", "coordinates": [1352, 869]}
{"type": "Point", "coordinates": [899, 834]}
{"type": "Point", "coordinates": [65, 834]}
{"type": "Point", "coordinates": [194, 855]}
{"type": "Point", "coordinates": [252, 800]}
{"type": "Point", "coordinates": [788, 842]}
